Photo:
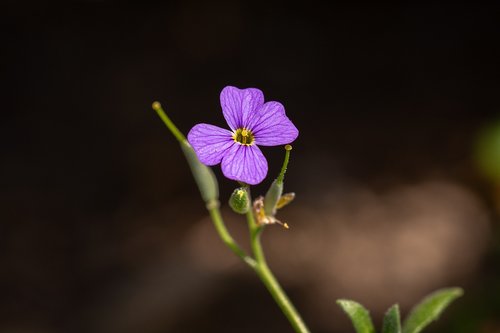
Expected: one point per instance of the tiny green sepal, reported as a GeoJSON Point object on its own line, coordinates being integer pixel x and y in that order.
{"type": "Point", "coordinates": [285, 200]}
{"type": "Point", "coordinates": [392, 321]}
{"type": "Point", "coordinates": [360, 316]}
{"type": "Point", "coordinates": [429, 309]}
{"type": "Point", "coordinates": [239, 201]}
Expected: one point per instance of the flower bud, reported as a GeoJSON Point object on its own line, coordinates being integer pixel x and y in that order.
{"type": "Point", "coordinates": [239, 201]}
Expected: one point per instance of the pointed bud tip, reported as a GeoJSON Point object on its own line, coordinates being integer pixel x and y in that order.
{"type": "Point", "coordinates": [288, 147]}
{"type": "Point", "coordinates": [156, 105]}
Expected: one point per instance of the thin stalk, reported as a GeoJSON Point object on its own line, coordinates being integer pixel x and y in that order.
{"type": "Point", "coordinates": [288, 148]}
{"type": "Point", "coordinates": [166, 120]}
{"type": "Point", "coordinates": [258, 264]}
{"type": "Point", "coordinates": [266, 276]}
{"type": "Point", "coordinates": [224, 234]}
{"type": "Point", "coordinates": [205, 186]}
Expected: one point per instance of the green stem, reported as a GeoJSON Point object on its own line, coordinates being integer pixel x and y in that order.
{"type": "Point", "coordinates": [213, 209]}
{"type": "Point", "coordinates": [208, 188]}
{"type": "Point", "coordinates": [266, 276]}
{"type": "Point", "coordinates": [166, 120]}
{"type": "Point", "coordinates": [288, 148]}
{"type": "Point", "coordinates": [258, 264]}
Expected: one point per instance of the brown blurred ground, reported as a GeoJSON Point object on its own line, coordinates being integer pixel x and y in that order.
{"type": "Point", "coordinates": [102, 228]}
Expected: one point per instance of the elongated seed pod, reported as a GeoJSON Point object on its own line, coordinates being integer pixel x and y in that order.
{"type": "Point", "coordinates": [203, 175]}
{"type": "Point", "coordinates": [272, 197]}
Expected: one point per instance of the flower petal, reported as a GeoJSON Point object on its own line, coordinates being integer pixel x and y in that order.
{"type": "Point", "coordinates": [210, 142]}
{"type": "Point", "coordinates": [244, 163]}
{"type": "Point", "coordinates": [239, 104]}
{"type": "Point", "coordinates": [271, 126]}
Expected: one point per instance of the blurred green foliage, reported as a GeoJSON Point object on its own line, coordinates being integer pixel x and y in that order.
{"type": "Point", "coordinates": [487, 152]}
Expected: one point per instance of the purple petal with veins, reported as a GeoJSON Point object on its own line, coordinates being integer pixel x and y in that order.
{"type": "Point", "coordinates": [210, 142]}
{"type": "Point", "coordinates": [265, 124]}
{"type": "Point", "coordinates": [245, 163]}
{"type": "Point", "coordinates": [271, 126]}
{"type": "Point", "coordinates": [239, 104]}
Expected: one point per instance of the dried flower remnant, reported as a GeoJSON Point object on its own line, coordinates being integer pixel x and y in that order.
{"type": "Point", "coordinates": [263, 218]}
{"type": "Point", "coordinates": [253, 123]}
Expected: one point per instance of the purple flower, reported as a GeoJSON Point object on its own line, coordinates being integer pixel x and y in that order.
{"type": "Point", "coordinates": [252, 123]}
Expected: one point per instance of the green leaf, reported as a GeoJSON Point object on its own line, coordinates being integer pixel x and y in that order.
{"type": "Point", "coordinates": [359, 316]}
{"type": "Point", "coordinates": [487, 151]}
{"type": "Point", "coordinates": [429, 309]}
{"type": "Point", "coordinates": [392, 323]}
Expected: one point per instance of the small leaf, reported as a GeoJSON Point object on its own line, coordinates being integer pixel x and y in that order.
{"type": "Point", "coordinates": [429, 309]}
{"type": "Point", "coordinates": [392, 323]}
{"type": "Point", "coordinates": [360, 317]}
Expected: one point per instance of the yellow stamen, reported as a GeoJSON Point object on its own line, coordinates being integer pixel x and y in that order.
{"type": "Point", "coordinates": [243, 136]}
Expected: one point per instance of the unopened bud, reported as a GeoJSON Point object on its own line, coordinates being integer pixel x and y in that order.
{"type": "Point", "coordinates": [239, 201]}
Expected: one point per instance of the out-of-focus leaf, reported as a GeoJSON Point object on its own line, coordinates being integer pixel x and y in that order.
{"type": "Point", "coordinates": [359, 316]}
{"type": "Point", "coordinates": [487, 152]}
{"type": "Point", "coordinates": [392, 322]}
{"type": "Point", "coordinates": [429, 309]}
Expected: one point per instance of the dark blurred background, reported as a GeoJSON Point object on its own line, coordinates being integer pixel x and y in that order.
{"type": "Point", "coordinates": [101, 225]}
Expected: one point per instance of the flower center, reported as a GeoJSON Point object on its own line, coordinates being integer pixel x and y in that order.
{"type": "Point", "coordinates": [243, 136]}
